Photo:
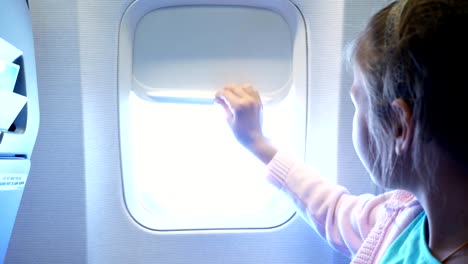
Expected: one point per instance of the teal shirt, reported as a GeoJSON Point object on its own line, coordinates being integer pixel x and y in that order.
{"type": "Point", "coordinates": [411, 246]}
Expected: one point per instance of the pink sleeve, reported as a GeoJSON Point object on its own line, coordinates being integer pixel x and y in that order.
{"type": "Point", "coordinates": [342, 219]}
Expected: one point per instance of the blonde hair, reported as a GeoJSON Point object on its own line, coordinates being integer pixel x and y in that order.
{"type": "Point", "coordinates": [413, 50]}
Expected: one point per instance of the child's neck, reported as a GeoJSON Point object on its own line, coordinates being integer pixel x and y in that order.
{"type": "Point", "coordinates": [447, 211]}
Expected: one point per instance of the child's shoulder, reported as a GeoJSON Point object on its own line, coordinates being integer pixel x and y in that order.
{"type": "Point", "coordinates": [401, 199]}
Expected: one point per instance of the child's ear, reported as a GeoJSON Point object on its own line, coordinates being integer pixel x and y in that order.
{"type": "Point", "coordinates": [404, 131]}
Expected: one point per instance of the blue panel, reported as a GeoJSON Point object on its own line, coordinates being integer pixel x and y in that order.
{"type": "Point", "coordinates": [19, 112]}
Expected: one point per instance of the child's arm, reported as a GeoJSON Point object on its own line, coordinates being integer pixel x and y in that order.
{"type": "Point", "coordinates": [342, 219]}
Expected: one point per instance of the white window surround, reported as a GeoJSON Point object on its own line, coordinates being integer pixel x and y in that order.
{"type": "Point", "coordinates": [140, 202]}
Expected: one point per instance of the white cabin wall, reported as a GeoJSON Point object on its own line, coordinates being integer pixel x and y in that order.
{"type": "Point", "coordinates": [51, 223]}
{"type": "Point", "coordinates": [73, 208]}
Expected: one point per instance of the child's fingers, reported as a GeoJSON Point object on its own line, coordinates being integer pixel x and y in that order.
{"type": "Point", "coordinates": [230, 97]}
{"type": "Point", "coordinates": [235, 90]}
{"type": "Point", "coordinates": [251, 91]}
{"type": "Point", "coordinates": [220, 100]}
{"type": "Point", "coordinates": [238, 98]}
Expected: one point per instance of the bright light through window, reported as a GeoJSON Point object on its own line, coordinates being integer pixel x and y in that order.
{"type": "Point", "coordinates": [191, 173]}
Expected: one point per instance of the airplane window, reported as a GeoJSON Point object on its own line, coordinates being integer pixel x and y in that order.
{"type": "Point", "coordinates": [182, 166]}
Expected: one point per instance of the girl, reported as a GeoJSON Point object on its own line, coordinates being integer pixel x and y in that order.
{"type": "Point", "coordinates": [410, 93]}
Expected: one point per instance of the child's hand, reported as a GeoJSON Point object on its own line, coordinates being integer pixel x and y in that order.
{"type": "Point", "coordinates": [244, 112]}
